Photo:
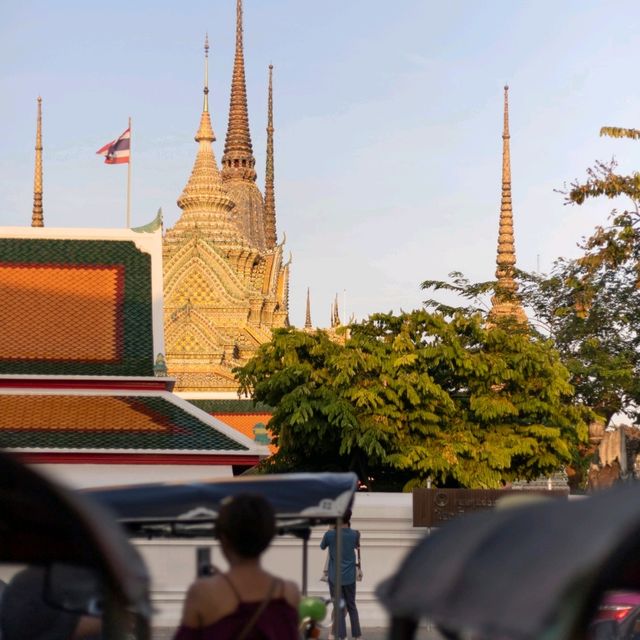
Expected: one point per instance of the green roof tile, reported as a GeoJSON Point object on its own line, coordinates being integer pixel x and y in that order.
{"type": "Point", "coordinates": [231, 406]}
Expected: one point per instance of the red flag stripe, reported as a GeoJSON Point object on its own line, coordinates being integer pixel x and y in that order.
{"type": "Point", "coordinates": [117, 151]}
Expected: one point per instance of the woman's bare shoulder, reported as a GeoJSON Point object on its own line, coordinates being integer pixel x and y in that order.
{"type": "Point", "coordinates": [291, 593]}
{"type": "Point", "coordinates": [208, 599]}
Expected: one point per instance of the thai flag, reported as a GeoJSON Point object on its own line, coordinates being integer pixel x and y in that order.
{"type": "Point", "coordinates": [117, 151]}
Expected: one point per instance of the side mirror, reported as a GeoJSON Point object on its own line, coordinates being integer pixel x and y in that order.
{"type": "Point", "coordinates": [74, 588]}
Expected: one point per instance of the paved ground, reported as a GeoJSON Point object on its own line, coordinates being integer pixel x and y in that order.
{"type": "Point", "coordinates": [368, 633]}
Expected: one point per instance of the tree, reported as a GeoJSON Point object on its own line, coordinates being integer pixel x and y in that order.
{"type": "Point", "coordinates": [422, 395]}
{"type": "Point", "coordinates": [592, 304]}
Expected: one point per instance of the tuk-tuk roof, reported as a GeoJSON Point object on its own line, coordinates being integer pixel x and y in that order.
{"type": "Point", "coordinates": [43, 523]}
{"type": "Point", "coordinates": [524, 572]}
{"type": "Point", "coordinates": [299, 500]}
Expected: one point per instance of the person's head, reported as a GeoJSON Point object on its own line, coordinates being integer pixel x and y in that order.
{"type": "Point", "coordinates": [246, 525]}
{"type": "Point", "coordinates": [346, 518]}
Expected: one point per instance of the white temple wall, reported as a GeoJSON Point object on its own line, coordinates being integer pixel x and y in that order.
{"type": "Point", "coordinates": [86, 476]}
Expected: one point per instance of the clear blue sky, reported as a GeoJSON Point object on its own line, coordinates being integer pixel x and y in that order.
{"type": "Point", "coordinates": [388, 120]}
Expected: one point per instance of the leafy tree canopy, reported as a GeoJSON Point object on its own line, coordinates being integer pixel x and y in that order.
{"type": "Point", "coordinates": [419, 395]}
{"type": "Point", "coordinates": [591, 305]}
{"type": "Point", "coordinates": [588, 306]}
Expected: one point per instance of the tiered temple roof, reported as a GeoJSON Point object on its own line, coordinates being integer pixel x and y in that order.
{"type": "Point", "coordinates": [81, 356]}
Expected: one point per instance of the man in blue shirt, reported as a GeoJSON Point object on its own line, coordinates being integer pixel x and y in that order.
{"type": "Point", "coordinates": [350, 541]}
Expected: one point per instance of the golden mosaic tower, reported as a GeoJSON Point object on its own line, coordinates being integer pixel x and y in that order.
{"type": "Point", "coordinates": [225, 287]}
{"type": "Point", "coordinates": [505, 302]}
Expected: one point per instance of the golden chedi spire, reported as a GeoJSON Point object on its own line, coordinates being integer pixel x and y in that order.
{"type": "Point", "coordinates": [335, 313]}
{"type": "Point", "coordinates": [505, 302]}
{"type": "Point", "coordinates": [238, 160]}
{"type": "Point", "coordinates": [37, 217]}
{"type": "Point", "coordinates": [307, 320]}
{"type": "Point", "coordinates": [270, 235]}
{"type": "Point", "coordinates": [204, 201]}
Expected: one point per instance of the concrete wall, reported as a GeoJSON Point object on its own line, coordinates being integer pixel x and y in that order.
{"type": "Point", "coordinates": [383, 519]}
{"type": "Point", "coordinates": [86, 476]}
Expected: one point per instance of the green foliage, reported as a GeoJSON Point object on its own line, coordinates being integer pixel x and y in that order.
{"type": "Point", "coordinates": [418, 394]}
{"type": "Point", "coordinates": [603, 181]}
{"type": "Point", "coordinates": [591, 305]}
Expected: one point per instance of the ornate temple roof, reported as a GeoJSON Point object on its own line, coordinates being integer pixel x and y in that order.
{"type": "Point", "coordinates": [225, 287]}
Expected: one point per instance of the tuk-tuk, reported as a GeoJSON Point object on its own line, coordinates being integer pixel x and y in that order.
{"type": "Point", "coordinates": [529, 571]}
{"type": "Point", "coordinates": [177, 510]}
{"type": "Point", "coordinates": [88, 563]}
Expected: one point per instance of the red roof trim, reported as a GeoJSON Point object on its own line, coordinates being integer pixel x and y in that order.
{"type": "Point", "coordinates": [137, 458]}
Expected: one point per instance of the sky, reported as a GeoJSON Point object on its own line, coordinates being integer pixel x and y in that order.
{"type": "Point", "coordinates": [388, 119]}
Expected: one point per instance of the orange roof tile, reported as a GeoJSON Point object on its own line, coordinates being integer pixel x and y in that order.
{"type": "Point", "coordinates": [79, 420]}
{"type": "Point", "coordinates": [245, 422]}
{"type": "Point", "coordinates": [40, 303]}
{"type": "Point", "coordinates": [89, 413]}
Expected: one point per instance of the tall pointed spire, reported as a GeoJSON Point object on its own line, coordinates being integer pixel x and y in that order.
{"type": "Point", "coordinates": [238, 160]}
{"type": "Point", "coordinates": [205, 203]}
{"type": "Point", "coordinates": [307, 320]}
{"type": "Point", "coordinates": [269, 190]}
{"type": "Point", "coordinates": [37, 218]}
{"type": "Point", "coordinates": [335, 313]}
{"type": "Point", "coordinates": [505, 302]}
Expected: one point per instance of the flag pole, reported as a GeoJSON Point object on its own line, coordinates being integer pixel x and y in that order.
{"type": "Point", "coordinates": [129, 180]}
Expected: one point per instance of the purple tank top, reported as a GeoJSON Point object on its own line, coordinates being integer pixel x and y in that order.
{"type": "Point", "coordinates": [278, 621]}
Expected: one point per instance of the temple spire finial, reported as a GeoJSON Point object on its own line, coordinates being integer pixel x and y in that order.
{"type": "Point", "coordinates": [205, 108]}
{"type": "Point", "coordinates": [205, 130]}
{"type": "Point", "coordinates": [505, 302]}
{"type": "Point", "coordinates": [37, 217]}
{"type": "Point", "coordinates": [269, 187]}
{"type": "Point", "coordinates": [307, 320]}
{"type": "Point", "coordinates": [238, 161]}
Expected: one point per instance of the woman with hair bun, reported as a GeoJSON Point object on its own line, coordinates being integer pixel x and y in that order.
{"type": "Point", "coordinates": [246, 602]}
